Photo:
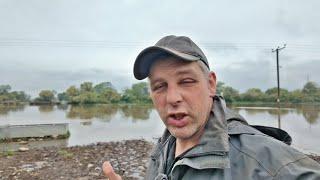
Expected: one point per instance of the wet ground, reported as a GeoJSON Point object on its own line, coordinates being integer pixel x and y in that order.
{"type": "Point", "coordinates": [129, 158]}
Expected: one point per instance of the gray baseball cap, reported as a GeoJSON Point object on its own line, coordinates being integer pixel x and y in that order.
{"type": "Point", "coordinates": [178, 46]}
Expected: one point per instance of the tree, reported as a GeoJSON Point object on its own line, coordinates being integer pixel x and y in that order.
{"type": "Point", "coordinates": [109, 96]}
{"type": "Point", "coordinates": [63, 96]}
{"type": "Point", "coordinates": [4, 89]}
{"type": "Point", "coordinates": [296, 96]}
{"type": "Point", "coordinates": [20, 96]}
{"type": "Point", "coordinates": [88, 97]}
{"type": "Point", "coordinates": [99, 88]}
{"type": "Point", "coordinates": [253, 94]}
{"type": "Point", "coordinates": [272, 94]}
{"type": "Point", "coordinates": [86, 87]}
{"type": "Point", "coordinates": [310, 88]}
{"type": "Point", "coordinates": [46, 95]}
{"type": "Point", "coordinates": [72, 94]}
{"type": "Point", "coordinates": [72, 91]}
{"type": "Point", "coordinates": [128, 96]}
{"type": "Point", "coordinates": [311, 92]}
{"type": "Point", "coordinates": [138, 93]}
{"type": "Point", "coordinates": [230, 94]}
{"type": "Point", "coordinates": [14, 96]}
{"type": "Point", "coordinates": [220, 86]}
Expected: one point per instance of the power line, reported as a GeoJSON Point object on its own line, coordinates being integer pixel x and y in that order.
{"type": "Point", "coordinates": [209, 44]}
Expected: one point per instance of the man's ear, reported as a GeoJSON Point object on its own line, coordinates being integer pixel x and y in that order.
{"type": "Point", "coordinates": [212, 84]}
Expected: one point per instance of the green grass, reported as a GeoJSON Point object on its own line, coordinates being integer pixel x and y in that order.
{"type": "Point", "coordinates": [65, 153]}
{"type": "Point", "coordinates": [64, 136]}
{"type": "Point", "coordinates": [7, 153]}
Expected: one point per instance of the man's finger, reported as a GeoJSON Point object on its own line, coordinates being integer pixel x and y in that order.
{"type": "Point", "coordinates": [109, 172]}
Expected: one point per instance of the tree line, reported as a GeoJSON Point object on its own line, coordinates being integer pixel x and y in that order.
{"type": "Point", "coordinates": [310, 93]}
{"type": "Point", "coordinates": [8, 96]}
{"type": "Point", "coordinates": [106, 93]}
{"type": "Point", "coordinates": [102, 93]}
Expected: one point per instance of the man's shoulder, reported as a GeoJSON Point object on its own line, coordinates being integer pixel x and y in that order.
{"type": "Point", "coordinates": [250, 147]}
{"type": "Point", "coordinates": [261, 147]}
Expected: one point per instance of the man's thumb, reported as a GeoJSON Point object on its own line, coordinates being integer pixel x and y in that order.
{"type": "Point", "coordinates": [109, 172]}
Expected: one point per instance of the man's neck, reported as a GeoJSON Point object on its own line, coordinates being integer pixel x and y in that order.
{"type": "Point", "coordinates": [183, 145]}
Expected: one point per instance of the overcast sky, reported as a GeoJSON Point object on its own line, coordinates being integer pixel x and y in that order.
{"type": "Point", "coordinates": [55, 44]}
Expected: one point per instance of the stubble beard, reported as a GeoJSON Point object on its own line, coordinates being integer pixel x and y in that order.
{"type": "Point", "coordinates": [189, 132]}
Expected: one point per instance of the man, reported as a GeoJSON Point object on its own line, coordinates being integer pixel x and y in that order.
{"type": "Point", "coordinates": [203, 138]}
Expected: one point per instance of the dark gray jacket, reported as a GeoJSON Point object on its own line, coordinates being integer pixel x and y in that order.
{"type": "Point", "coordinates": [231, 149]}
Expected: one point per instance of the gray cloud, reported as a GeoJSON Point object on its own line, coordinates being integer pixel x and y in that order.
{"type": "Point", "coordinates": [54, 44]}
{"type": "Point", "coordinates": [34, 81]}
{"type": "Point", "coordinates": [247, 74]}
{"type": "Point", "coordinates": [261, 73]}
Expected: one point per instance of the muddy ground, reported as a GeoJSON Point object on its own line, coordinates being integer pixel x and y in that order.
{"type": "Point", "coordinates": [129, 159]}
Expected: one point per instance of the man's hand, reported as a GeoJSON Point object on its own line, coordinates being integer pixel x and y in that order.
{"type": "Point", "coordinates": [109, 172]}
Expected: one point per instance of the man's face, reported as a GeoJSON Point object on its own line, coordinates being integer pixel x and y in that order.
{"type": "Point", "coordinates": [182, 95]}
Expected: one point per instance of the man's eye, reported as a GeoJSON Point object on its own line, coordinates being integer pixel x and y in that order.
{"type": "Point", "coordinates": [157, 87]}
{"type": "Point", "coordinates": [187, 81]}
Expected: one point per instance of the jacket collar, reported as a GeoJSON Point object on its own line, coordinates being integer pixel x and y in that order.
{"type": "Point", "coordinates": [215, 136]}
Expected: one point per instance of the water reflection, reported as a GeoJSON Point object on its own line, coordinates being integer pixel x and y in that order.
{"type": "Point", "coordinates": [278, 111]}
{"type": "Point", "coordinates": [136, 112]}
{"type": "Point", "coordinates": [87, 112]}
{"type": "Point", "coordinates": [310, 113]}
{"type": "Point", "coordinates": [46, 108]}
{"type": "Point", "coordinates": [274, 111]}
{"type": "Point", "coordinates": [86, 123]}
{"type": "Point", "coordinates": [5, 109]}
{"type": "Point", "coordinates": [63, 107]}
{"type": "Point", "coordinates": [107, 112]}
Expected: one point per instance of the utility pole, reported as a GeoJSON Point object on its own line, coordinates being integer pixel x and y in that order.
{"type": "Point", "coordinates": [278, 78]}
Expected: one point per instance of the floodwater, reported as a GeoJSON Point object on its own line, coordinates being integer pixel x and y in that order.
{"type": "Point", "coordinates": [102, 123]}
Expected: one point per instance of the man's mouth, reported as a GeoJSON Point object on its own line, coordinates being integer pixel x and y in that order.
{"type": "Point", "coordinates": [177, 119]}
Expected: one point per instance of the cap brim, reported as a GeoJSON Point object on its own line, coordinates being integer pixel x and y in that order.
{"type": "Point", "coordinates": [148, 56]}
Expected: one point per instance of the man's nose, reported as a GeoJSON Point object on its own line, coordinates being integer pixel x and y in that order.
{"type": "Point", "coordinates": [173, 96]}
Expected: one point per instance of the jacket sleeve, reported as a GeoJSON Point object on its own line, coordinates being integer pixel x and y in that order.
{"type": "Point", "coordinates": [304, 168]}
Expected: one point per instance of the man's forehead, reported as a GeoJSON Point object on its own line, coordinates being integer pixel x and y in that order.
{"type": "Point", "coordinates": [178, 67]}
{"type": "Point", "coordinates": [169, 61]}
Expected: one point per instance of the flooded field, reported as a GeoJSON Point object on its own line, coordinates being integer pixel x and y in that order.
{"type": "Point", "coordinates": [103, 123]}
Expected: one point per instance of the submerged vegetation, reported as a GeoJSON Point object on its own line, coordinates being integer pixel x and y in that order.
{"type": "Point", "coordinates": [106, 93]}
